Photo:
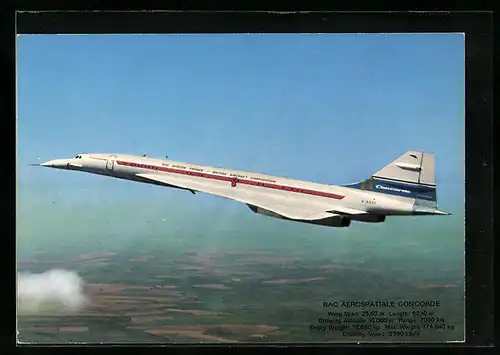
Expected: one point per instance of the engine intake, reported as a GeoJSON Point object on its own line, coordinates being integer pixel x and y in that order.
{"type": "Point", "coordinates": [345, 221]}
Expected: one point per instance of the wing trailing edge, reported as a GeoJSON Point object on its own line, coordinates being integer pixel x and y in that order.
{"type": "Point", "coordinates": [280, 206]}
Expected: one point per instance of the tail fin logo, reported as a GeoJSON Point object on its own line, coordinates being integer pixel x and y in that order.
{"type": "Point", "coordinates": [382, 187]}
{"type": "Point", "coordinates": [411, 175]}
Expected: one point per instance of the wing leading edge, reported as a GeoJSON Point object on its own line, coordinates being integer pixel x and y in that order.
{"type": "Point", "coordinates": [280, 206]}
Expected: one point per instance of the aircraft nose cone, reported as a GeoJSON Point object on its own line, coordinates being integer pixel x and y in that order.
{"type": "Point", "coordinates": [50, 163]}
{"type": "Point", "coordinates": [58, 163]}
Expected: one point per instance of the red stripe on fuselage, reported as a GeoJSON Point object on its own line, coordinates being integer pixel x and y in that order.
{"type": "Point", "coordinates": [233, 180]}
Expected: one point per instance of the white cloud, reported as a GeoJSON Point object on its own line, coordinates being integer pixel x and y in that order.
{"type": "Point", "coordinates": [52, 292]}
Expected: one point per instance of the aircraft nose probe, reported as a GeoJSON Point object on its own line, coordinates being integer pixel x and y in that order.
{"type": "Point", "coordinates": [35, 164]}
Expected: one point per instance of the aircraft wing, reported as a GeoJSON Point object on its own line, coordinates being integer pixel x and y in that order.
{"type": "Point", "coordinates": [275, 204]}
{"type": "Point", "coordinates": [346, 211]}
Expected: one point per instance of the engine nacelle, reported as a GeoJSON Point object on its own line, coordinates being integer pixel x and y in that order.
{"type": "Point", "coordinates": [333, 221]}
{"type": "Point", "coordinates": [260, 210]}
{"type": "Point", "coordinates": [370, 218]}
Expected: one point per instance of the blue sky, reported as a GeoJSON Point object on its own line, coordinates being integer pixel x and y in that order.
{"type": "Point", "coordinates": [330, 108]}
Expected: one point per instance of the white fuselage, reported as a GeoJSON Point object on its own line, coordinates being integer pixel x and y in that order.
{"type": "Point", "coordinates": [306, 194]}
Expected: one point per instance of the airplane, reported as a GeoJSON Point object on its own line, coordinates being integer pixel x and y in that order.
{"type": "Point", "coordinates": [404, 187]}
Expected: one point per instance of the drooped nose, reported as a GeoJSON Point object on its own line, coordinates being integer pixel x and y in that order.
{"type": "Point", "coordinates": [57, 163]}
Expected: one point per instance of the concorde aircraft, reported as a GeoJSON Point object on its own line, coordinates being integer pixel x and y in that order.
{"type": "Point", "coordinates": [404, 187]}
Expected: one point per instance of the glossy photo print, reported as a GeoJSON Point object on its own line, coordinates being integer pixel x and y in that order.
{"type": "Point", "coordinates": [240, 188]}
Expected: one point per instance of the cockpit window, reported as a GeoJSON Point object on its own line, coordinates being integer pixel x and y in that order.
{"type": "Point", "coordinates": [78, 156]}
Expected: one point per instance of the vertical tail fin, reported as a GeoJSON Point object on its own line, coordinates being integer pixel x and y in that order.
{"type": "Point", "coordinates": [411, 167]}
{"type": "Point", "coordinates": [411, 175]}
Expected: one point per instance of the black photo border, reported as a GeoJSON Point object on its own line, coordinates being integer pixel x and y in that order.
{"type": "Point", "coordinates": [478, 29]}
